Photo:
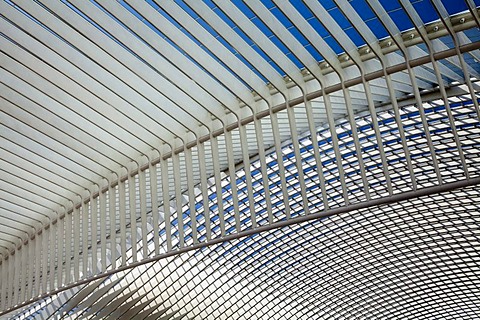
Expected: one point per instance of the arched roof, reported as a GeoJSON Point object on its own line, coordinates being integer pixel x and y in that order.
{"type": "Point", "coordinates": [271, 124]}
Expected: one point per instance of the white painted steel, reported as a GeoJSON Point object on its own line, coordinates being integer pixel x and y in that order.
{"type": "Point", "coordinates": [133, 131]}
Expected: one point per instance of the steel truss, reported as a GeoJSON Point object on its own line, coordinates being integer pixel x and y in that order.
{"type": "Point", "coordinates": [131, 149]}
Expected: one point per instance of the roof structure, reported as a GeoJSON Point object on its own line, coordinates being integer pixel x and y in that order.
{"type": "Point", "coordinates": [239, 159]}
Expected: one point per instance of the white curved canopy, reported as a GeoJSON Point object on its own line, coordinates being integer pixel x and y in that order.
{"type": "Point", "coordinates": [139, 134]}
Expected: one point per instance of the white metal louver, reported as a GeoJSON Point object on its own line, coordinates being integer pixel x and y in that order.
{"type": "Point", "coordinates": [157, 155]}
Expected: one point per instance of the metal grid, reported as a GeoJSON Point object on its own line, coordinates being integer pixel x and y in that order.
{"type": "Point", "coordinates": [115, 115]}
{"type": "Point", "coordinates": [238, 254]}
{"type": "Point", "coordinates": [415, 259]}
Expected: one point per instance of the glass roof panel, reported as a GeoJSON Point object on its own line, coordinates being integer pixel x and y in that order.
{"type": "Point", "coordinates": [453, 6]}
{"type": "Point", "coordinates": [367, 15]}
{"type": "Point", "coordinates": [424, 8]}
{"type": "Point", "coordinates": [401, 19]}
